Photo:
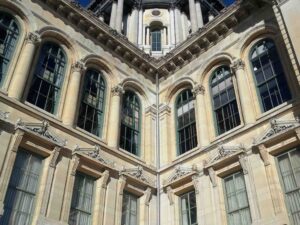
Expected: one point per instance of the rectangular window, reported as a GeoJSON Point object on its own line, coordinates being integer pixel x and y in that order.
{"type": "Point", "coordinates": [129, 209]}
{"type": "Point", "coordinates": [289, 168]}
{"type": "Point", "coordinates": [188, 209]}
{"type": "Point", "coordinates": [81, 208]}
{"type": "Point", "coordinates": [237, 204]}
{"type": "Point", "coordinates": [22, 188]}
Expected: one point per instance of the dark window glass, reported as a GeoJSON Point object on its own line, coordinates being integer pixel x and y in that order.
{"type": "Point", "coordinates": [289, 169]}
{"type": "Point", "coordinates": [268, 72]}
{"type": "Point", "coordinates": [188, 209]}
{"type": "Point", "coordinates": [130, 123]}
{"type": "Point", "coordinates": [48, 78]}
{"type": "Point", "coordinates": [186, 122]}
{"type": "Point", "coordinates": [22, 188]}
{"type": "Point", "coordinates": [156, 40]}
{"type": "Point", "coordinates": [224, 100]}
{"type": "Point", "coordinates": [92, 103]}
{"type": "Point", "coordinates": [9, 33]}
{"type": "Point", "coordinates": [129, 209]}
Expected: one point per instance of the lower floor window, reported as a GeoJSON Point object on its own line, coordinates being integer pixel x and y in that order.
{"type": "Point", "coordinates": [81, 207]}
{"type": "Point", "coordinates": [188, 209]}
{"type": "Point", "coordinates": [22, 189]}
{"type": "Point", "coordinates": [237, 204]}
{"type": "Point", "coordinates": [289, 168]}
{"type": "Point", "coordinates": [129, 209]}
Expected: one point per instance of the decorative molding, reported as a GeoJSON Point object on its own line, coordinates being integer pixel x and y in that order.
{"type": "Point", "coordinates": [75, 161]}
{"type": "Point", "coordinates": [163, 108]}
{"type": "Point", "coordinates": [41, 129]}
{"type": "Point", "coordinates": [55, 155]}
{"type": "Point", "coordinates": [4, 115]}
{"type": "Point", "coordinates": [264, 154]}
{"type": "Point", "coordinates": [137, 173]}
{"type": "Point", "coordinates": [238, 64]}
{"type": "Point", "coordinates": [244, 163]}
{"type": "Point", "coordinates": [95, 154]}
{"type": "Point", "coordinates": [78, 66]}
{"type": "Point", "coordinates": [121, 184]}
{"type": "Point", "coordinates": [18, 136]}
{"type": "Point", "coordinates": [117, 90]}
{"type": "Point", "coordinates": [196, 181]}
{"type": "Point", "coordinates": [212, 176]}
{"type": "Point", "coordinates": [105, 177]}
{"type": "Point", "coordinates": [198, 89]}
{"type": "Point", "coordinates": [277, 127]}
{"type": "Point", "coordinates": [181, 171]}
{"type": "Point", "coordinates": [33, 38]}
{"type": "Point", "coordinates": [148, 195]}
{"type": "Point", "coordinates": [170, 194]}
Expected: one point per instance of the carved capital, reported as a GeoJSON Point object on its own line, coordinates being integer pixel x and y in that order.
{"type": "Point", "coordinates": [78, 67]}
{"type": "Point", "coordinates": [198, 89]}
{"type": "Point", "coordinates": [33, 38]}
{"type": "Point", "coordinates": [117, 90]}
{"type": "Point", "coordinates": [238, 65]}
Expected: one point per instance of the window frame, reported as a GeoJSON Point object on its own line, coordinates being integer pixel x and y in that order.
{"type": "Point", "coordinates": [158, 45]}
{"type": "Point", "coordinates": [137, 199]}
{"type": "Point", "coordinates": [189, 207]}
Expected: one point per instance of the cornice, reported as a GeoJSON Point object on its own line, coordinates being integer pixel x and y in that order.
{"type": "Point", "coordinates": [118, 44]}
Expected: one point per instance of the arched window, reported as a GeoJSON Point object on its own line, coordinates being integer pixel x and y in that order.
{"type": "Point", "coordinates": [48, 78]}
{"type": "Point", "coordinates": [186, 121]}
{"type": "Point", "coordinates": [9, 34]}
{"type": "Point", "coordinates": [270, 80]}
{"type": "Point", "coordinates": [92, 103]}
{"type": "Point", "coordinates": [156, 39]}
{"type": "Point", "coordinates": [130, 123]}
{"type": "Point", "coordinates": [224, 101]}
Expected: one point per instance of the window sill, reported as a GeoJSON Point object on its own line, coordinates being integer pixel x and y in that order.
{"type": "Point", "coordinates": [275, 109]}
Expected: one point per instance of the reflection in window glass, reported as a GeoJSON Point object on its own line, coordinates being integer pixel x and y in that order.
{"type": "Point", "coordinates": [129, 209]}
{"type": "Point", "coordinates": [188, 209]}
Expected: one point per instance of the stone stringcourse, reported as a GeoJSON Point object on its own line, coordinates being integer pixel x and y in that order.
{"type": "Point", "coordinates": [196, 44]}
{"type": "Point", "coordinates": [94, 153]}
{"type": "Point", "coordinates": [137, 173]}
{"type": "Point", "coordinates": [277, 127]}
{"type": "Point", "coordinates": [41, 129]}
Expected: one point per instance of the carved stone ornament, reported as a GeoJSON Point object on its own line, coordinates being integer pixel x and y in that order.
{"type": "Point", "coordinates": [181, 171]}
{"type": "Point", "coordinates": [212, 176]}
{"type": "Point", "coordinates": [41, 129]}
{"type": "Point", "coordinates": [244, 163]}
{"type": "Point", "coordinates": [55, 155]}
{"type": "Point", "coordinates": [137, 173]}
{"type": "Point", "coordinates": [148, 195]}
{"type": "Point", "coordinates": [78, 67]}
{"type": "Point", "coordinates": [224, 152]}
{"type": "Point", "coordinates": [33, 38]}
{"type": "Point", "coordinates": [170, 194]}
{"type": "Point", "coordinates": [117, 90]}
{"type": "Point", "coordinates": [277, 127]}
{"type": "Point", "coordinates": [198, 89]}
{"type": "Point", "coordinates": [3, 115]}
{"type": "Point", "coordinates": [94, 153]}
{"type": "Point", "coordinates": [238, 65]}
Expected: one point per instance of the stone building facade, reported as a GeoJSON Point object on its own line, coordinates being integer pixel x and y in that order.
{"type": "Point", "coordinates": [150, 112]}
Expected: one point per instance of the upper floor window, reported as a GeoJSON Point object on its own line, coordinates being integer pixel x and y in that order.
{"type": "Point", "coordinates": [82, 200]}
{"type": "Point", "coordinates": [9, 34]}
{"type": "Point", "coordinates": [188, 209]}
{"type": "Point", "coordinates": [92, 104]}
{"type": "Point", "coordinates": [270, 79]}
{"type": "Point", "coordinates": [156, 39]}
{"type": "Point", "coordinates": [130, 123]}
{"type": "Point", "coordinates": [224, 101]}
{"type": "Point", "coordinates": [289, 168]}
{"type": "Point", "coordinates": [129, 209]}
{"type": "Point", "coordinates": [48, 78]}
{"type": "Point", "coordinates": [186, 121]}
{"type": "Point", "coordinates": [237, 205]}
{"type": "Point", "coordinates": [22, 189]}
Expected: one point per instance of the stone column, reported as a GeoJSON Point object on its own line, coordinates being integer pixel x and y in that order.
{"type": "Point", "coordinates": [215, 195]}
{"type": "Point", "coordinates": [199, 14]}
{"type": "Point", "coordinates": [202, 127]}
{"type": "Point", "coordinates": [199, 199]}
{"type": "Point", "coordinates": [24, 65]}
{"type": "Point", "coordinates": [135, 24]}
{"type": "Point", "coordinates": [112, 22]}
{"type": "Point", "coordinates": [244, 92]}
{"type": "Point", "coordinates": [114, 117]}
{"type": "Point", "coordinates": [193, 15]}
{"type": "Point", "coordinates": [164, 39]}
{"type": "Point", "coordinates": [172, 26]}
{"type": "Point", "coordinates": [8, 166]}
{"type": "Point", "coordinates": [120, 190]}
{"type": "Point", "coordinates": [178, 32]}
{"type": "Point", "coordinates": [147, 36]}
{"type": "Point", "coordinates": [144, 206]}
{"type": "Point", "coordinates": [72, 96]}
{"type": "Point", "coordinates": [119, 16]}
{"type": "Point", "coordinates": [140, 31]}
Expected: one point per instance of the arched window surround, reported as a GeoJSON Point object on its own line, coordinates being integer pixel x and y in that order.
{"type": "Point", "coordinates": [64, 45]}
{"type": "Point", "coordinates": [284, 60]}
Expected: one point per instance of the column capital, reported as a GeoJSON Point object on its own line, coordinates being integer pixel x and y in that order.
{"type": "Point", "coordinates": [238, 64]}
{"type": "Point", "coordinates": [33, 38]}
{"type": "Point", "coordinates": [78, 67]}
{"type": "Point", "coordinates": [117, 90]}
{"type": "Point", "coordinates": [198, 89]}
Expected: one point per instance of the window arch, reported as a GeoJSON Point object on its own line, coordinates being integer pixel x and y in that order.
{"type": "Point", "coordinates": [186, 121]}
{"type": "Point", "coordinates": [92, 104]}
{"type": "Point", "coordinates": [9, 34]}
{"type": "Point", "coordinates": [48, 77]}
{"type": "Point", "coordinates": [225, 106]}
{"type": "Point", "coordinates": [269, 76]}
{"type": "Point", "coordinates": [130, 123]}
